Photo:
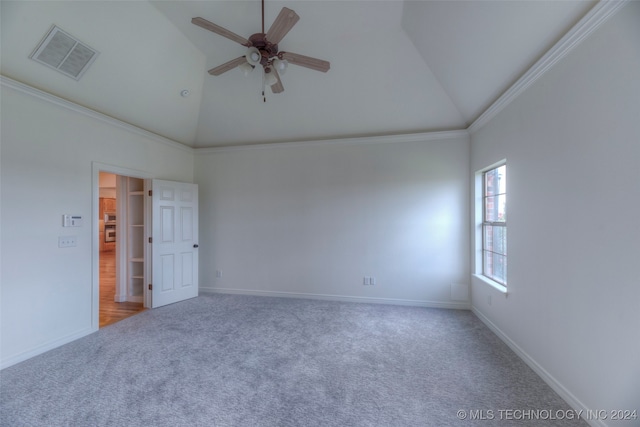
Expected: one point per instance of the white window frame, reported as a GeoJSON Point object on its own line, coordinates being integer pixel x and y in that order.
{"type": "Point", "coordinates": [480, 223]}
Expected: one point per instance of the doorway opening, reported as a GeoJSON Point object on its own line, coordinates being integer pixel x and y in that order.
{"type": "Point", "coordinates": [121, 247]}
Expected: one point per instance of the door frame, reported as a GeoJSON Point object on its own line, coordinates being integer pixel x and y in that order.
{"type": "Point", "coordinates": [96, 168]}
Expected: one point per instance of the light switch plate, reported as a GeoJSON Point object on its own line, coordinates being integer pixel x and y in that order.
{"type": "Point", "coordinates": [67, 241]}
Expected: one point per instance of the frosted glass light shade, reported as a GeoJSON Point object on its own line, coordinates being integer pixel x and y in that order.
{"type": "Point", "coordinates": [253, 56]}
{"type": "Point", "coordinates": [270, 78]}
{"type": "Point", "coordinates": [245, 68]}
{"type": "Point", "coordinates": [280, 65]}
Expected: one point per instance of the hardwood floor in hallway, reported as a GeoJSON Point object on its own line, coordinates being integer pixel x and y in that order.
{"type": "Point", "coordinates": [111, 311]}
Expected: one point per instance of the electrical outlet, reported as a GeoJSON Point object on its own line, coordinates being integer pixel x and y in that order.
{"type": "Point", "coordinates": [219, 274]}
{"type": "Point", "coordinates": [67, 241]}
{"type": "Point", "coordinates": [372, 281]}
{"type": "Point", "coordinates": [368, 281]}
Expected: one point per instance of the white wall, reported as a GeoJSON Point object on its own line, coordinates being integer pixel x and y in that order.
{"type": "Point", "coordinates": [572, 145]}
{"type": "Point", "coordinates": [124, 33]}
{"type": "Point", "coordinates": [47, 155]}
{"type": "Point", "coordinates": [314, 219]}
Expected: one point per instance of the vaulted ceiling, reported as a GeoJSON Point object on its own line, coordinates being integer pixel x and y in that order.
{"type": "Point", "coordinates": [396, 66]}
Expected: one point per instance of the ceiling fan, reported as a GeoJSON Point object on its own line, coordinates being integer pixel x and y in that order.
{"type": "Point", "coordinates": [263, 50]}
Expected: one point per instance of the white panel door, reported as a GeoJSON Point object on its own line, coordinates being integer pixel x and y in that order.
{"type": "Point", "coordinates": [174, 242]}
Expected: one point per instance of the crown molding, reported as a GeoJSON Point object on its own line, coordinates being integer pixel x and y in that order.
{"type": "Point", "coordinates": [366, 140]}
{"type": "Point", "coordinates": [598, 14]}
{"type": "Point", "coordinates": [401, 138]}
{"type": "Point", "coordinates": [53, 99]}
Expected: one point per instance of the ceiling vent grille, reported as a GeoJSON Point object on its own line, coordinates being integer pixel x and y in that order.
{"type": "Point", "coordinates": [64, 53]}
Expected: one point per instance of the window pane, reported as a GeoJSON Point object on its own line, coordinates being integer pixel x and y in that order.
{"type": "Point", "coordinates": [487, 237]}
{"type": "Point", "coordinates": [495, 267]}
{"type": "Point", "coordinates": [490, 181]}
{"type": "Point", "coordinates": [495, 239]}
{"type": "Point", "coordinates": [495, 208]}
{"type": "Point", "coordinates": [500, 240]}
{"type": "Point", "coordinates": [495, 181]}
{"type": "Point", "coordinates": [488, 264]}
{"type": "Point", "coordinates": [500, 268]}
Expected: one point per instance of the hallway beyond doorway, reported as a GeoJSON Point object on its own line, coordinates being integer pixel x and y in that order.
{"type": "Point", "coordinates": [111, 311]}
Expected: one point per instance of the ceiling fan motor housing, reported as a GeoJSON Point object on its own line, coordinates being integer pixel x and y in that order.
{"type": "Point", "coordinates": [267, 49]}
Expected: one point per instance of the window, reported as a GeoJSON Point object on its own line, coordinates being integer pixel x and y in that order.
{"type": "Point", "coordinates": [494, 224]}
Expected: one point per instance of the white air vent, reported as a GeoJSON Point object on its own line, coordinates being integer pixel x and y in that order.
{"type": "Point", "coordinates": [64, 53]}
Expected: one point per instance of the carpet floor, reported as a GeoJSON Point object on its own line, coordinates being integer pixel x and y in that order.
{"type": "Point", "coordinates": [231, 360]}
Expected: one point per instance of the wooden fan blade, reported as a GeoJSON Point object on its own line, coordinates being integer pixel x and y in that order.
{"type": "Point", "coordinates": [227, 66]}
{"type": "Point", "coordinates": [307, 61]}
{"type": "Point", "coordinates": [276, 87]}
{"type": "Point", "coordinates": [201, 22]}
{"type": "Point", "coordinates": [285, 21]}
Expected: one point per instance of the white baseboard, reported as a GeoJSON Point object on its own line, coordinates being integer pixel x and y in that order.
{"type": "Point", "coordinates": [344, 298]}
{"type": "Point", "coordinates": [5, 363]}
{"type": "Point", "coordinates": [565, 394]}
{"type": "Point", "coordinates": [125, 298]}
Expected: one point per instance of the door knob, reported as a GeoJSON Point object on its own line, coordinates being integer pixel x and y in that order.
{"type": "Point", "coordinates": [195, 246]}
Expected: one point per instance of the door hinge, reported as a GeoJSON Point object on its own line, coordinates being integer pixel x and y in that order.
{"type": "Point", "coordinates": [150, 193]}
{"type": "Point", "coordinates": [150, 287]}
{"type": "Point", "coordinates": [150, 239]}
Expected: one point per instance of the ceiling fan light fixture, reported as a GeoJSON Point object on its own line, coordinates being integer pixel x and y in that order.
{"type": "Point", "coordinates": [280, 65]}
{"type": "Point", "coordinates": [246, 68]}
{"type": "Point", "coordinates": [262, 49]}
{"type": "Point", "coordinates": [269, 77]}
{"type": "Point", "coordinates": [253, 56]}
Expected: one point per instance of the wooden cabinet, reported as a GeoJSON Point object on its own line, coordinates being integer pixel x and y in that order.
{"type": "Point", "coordinates": [109, 205]}
{"type": "Point", "coordinates": [105, 204]}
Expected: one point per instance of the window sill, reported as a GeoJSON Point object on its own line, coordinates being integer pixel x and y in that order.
{"type": "Point", "coordinates": [500, 288]}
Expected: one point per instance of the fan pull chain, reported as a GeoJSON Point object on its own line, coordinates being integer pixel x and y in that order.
{"type": "Point", "coordinates": [264, 98]}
